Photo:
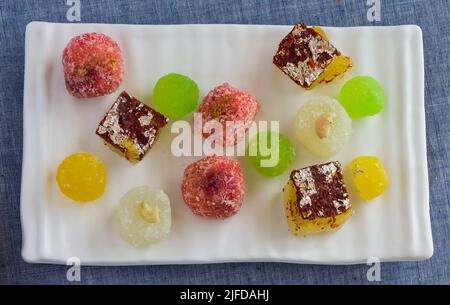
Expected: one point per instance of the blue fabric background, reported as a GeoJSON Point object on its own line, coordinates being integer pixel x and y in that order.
{"type": "Point", "coordinates": [431, 16]}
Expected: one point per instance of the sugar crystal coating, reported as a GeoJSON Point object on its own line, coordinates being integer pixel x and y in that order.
{"type": "Point", "coordinates": [226, 104]}
{"type": "Point", "coordinates": [143, 216]}
{"type": "Point", "coordinates": [213, 187]}
{"type": "Point", "coordinates": [93, 65]}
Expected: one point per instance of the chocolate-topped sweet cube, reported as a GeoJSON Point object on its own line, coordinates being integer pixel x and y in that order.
{"type": "Point", "coordinates": [130, 127]}
{"type": "Point", "coordinates": [316, 199]}
{"type": "Point", "coordinates": [308, 58]}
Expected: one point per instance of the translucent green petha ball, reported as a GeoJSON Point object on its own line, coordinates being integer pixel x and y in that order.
{"type": "Point", "coordinates": [276, 159]}
{"type": "Point", "coordinates": [362, 96]}
{"type": "Point", "coordinates": [175, 95]}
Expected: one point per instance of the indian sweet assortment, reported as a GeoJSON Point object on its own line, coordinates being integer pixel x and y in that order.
{"type": "Point", "coordinates": [213, 187]}
{"type": "Point", "coordinates": [232, 108]}
{"type": "Point", "coordinates": [315, 197]}
{"type": "Point", "coordinates": [93, 65]}
{"type": "Point", "coordinates": [143, 216]}
{"type": "Point", "coordinates": [323, 126]}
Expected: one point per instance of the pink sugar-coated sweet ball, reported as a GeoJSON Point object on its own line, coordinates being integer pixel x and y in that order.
{"type": "Point", "coordinates": [225, 103]}
{"type": "Point", "coordinates": [93, 65]}
{"type": "Point", "coordinates": [213, 187]}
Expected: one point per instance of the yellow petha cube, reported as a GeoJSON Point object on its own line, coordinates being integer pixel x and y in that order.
{"type": "Point", "coordinates": [316, 199]}
{"type": "Point", "coordinates": [307, 56]}
{"type": "Point", "coordinates": [369, 176]}
{"type": "Point", "coordinates": [130, 128]}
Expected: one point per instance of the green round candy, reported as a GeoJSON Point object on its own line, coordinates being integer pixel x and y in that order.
{"type": "Point", "coordinates": [175, 95]}
{"type": "Point", "coordinates": [362, 96]}
{"type": "Point", "coordinates": [276, 144]}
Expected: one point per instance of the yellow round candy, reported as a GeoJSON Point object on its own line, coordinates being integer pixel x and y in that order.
{"type": "Point", "coordinates": [82, 177]}
{"type": "Point", "coordinates": [369, 176]}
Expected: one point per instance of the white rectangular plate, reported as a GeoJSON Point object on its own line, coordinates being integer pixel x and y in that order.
{"type": "Point", "coordinates": [394, 227]}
